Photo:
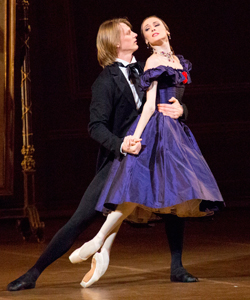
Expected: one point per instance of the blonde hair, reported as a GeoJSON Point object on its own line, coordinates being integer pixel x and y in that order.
{"type": "Point", "coordinates": [108, 37]}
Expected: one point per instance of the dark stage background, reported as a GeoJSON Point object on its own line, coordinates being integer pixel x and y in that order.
{"type": "Point", "coordinates": [213, 35]}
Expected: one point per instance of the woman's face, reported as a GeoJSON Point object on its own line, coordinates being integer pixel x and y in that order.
{"type": "Point", "coordinates": [154, 31]}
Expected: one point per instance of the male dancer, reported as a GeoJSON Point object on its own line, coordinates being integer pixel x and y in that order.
{"type": "Point", "coordinates": [115, 105]}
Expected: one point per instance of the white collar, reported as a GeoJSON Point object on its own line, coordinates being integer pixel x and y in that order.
{"type": "Point", "coordinates": [124, 62]}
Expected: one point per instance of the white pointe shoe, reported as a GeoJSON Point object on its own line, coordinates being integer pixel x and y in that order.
{"type": "Point", "coordinates": [84, 252]}
{"type": "Point", "coordinates": [99, 266]}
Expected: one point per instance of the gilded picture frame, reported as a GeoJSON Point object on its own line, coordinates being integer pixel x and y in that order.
{"type": "Point", "coordinates": [7, 48]}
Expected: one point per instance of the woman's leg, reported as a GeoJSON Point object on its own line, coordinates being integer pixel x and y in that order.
{"type": "Point", "coordinates": [113, 220]}
{"type": "Point", "coordinates": [100, 261]}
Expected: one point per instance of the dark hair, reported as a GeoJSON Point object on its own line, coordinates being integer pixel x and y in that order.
{"type": "Point", "coordinates": [164, 24]}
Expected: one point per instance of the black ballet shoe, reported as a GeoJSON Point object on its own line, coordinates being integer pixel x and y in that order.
{"type": "Point", "coordinates": [24, 282]}
{"type": "Point", "coordinates": [181, 275]}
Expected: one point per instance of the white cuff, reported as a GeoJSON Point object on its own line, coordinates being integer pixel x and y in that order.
{"type": "Point", "coordinates": [124, 153]}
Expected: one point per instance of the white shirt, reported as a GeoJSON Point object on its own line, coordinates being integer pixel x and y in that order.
{"type": "Point", "coordinates": [124, 70]}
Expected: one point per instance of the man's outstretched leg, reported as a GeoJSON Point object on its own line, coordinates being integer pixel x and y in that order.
{"type": "Point", "coordinates": [174, 227]}
{"type": "Point", "coordinates": [66, 236]}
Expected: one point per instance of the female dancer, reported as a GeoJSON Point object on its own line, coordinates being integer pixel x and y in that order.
{"type": "Point", "coordinates": [170, 174]}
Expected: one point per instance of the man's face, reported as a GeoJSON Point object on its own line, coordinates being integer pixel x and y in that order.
{"type": "Point", "coordinates": [128, 40]}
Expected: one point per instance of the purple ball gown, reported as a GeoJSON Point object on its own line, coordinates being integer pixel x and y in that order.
{"type": "Point", "coordinates": [170, 170]}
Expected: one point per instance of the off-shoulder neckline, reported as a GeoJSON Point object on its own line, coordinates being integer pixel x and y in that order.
{"type": "Point", "coordinates": [181, 59]}
{"type": "Point", "coordinates": [166, 67]}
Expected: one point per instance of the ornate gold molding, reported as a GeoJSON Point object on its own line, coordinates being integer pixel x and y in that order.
{"type": "Point", "coordinates": [7, 49]}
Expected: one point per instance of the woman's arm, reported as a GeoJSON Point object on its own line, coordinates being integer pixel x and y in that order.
{"type": "Point", "coordinates": [148, 110]}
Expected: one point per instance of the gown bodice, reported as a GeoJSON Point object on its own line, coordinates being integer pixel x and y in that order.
{"type": "Point", "coordinates": [163, 94]}
{"type": "Point", "coordinates": [171, 82]}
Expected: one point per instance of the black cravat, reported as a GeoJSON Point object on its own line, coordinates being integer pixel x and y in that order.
{"type": "Point", "coordinates": [133, 76]}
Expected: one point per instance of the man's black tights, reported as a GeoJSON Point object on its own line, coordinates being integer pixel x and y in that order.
{"type": "Point", "coordinates": [174, 227]}
{"type": "Point", "coordinates": [81, 219]}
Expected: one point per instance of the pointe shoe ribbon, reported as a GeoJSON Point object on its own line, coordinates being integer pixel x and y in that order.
{"type": "Point", "coordinates": [99, 266]}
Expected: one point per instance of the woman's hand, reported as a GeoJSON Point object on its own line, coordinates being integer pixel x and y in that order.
{"type": "Point", "coordinates": [131, 145]}
{"type": "Point", "coordinates": [174, 110]}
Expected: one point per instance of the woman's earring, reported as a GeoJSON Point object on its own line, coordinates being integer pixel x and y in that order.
{"type": "Point", "coordinates": [147, 46]}
{"type": "Point", "coordinates": [169, 36]}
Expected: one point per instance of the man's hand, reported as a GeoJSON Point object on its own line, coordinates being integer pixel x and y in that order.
{"type": "Point", "coordinates": [131, 145]}
{"type": "Point", "coordinates": [174, 110]}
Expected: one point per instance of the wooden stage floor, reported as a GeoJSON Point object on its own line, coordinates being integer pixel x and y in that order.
{"type": "Point", "coordinates": [218, 252]}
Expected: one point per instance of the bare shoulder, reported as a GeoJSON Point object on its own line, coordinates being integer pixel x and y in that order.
{"type": "Point", "coordinates": [177, 59]}
{"type": "Point", "coordinates": [152, 62]}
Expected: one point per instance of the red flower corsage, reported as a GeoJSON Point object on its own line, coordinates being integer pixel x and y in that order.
{"type": "Point", "coordinates": [186, 77]}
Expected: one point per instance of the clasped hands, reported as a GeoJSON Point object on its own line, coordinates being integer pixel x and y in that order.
{"type": "Point", "coordinates": [132, 145]}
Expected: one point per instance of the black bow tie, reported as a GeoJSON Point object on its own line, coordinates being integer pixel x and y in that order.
{"type": "Point", "coordinates": [133, 74]}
